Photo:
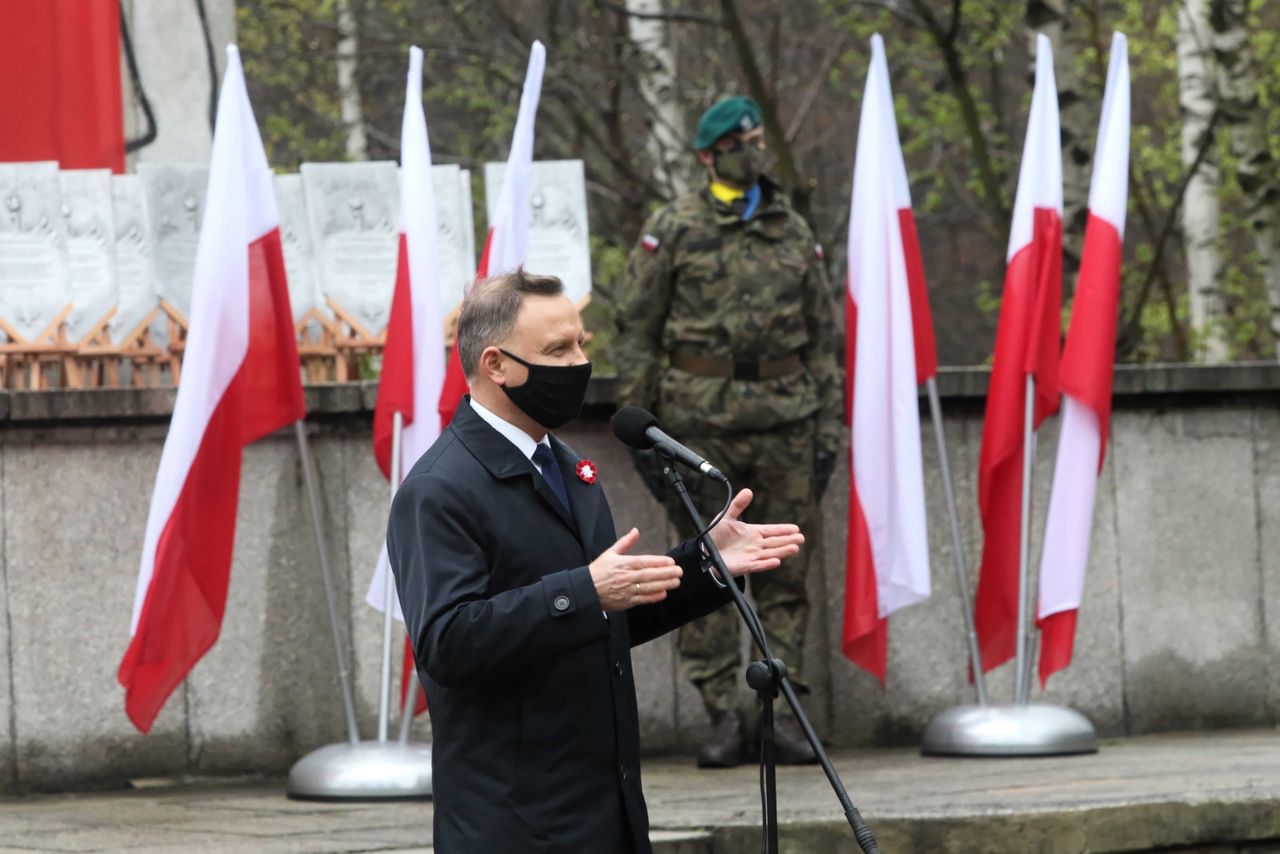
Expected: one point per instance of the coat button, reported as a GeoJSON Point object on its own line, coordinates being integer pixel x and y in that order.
{"type": "Point", "coordinates": [617, 667]}
{"type": "Point", "coordinates": [622, 769]}
{"type": "Point", "coordinates": [560, 603]}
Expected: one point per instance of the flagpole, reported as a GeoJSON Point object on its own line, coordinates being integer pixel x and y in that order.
{"type": "Point", "coordinates": [389, 592]}
{"type": "Point", "coordinates": [957, 545]}
{"type": "Point", "coordinates": [326, 573]}
{"type": "Point", "coordinates": [1033, 646]}
{"type": "Point", "coordinates": [410, 702]}
{"type": "Point", "coordinates": [1021, 690]}
{"type": "Point", "coordinates": [1021, 728]}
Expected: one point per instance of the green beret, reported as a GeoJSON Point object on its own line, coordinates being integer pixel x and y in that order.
{"type": "Point", "coordinates": [738, 113]}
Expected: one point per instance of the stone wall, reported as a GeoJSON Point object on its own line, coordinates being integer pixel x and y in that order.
{"type": "Point", "coordinates": [1180, 627]}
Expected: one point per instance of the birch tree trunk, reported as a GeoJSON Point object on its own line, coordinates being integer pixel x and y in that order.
{"type": "Point", "coordinates": [1078, 117]}
{"type": "Point", "coordinates": [1200, 208]}
{"type": "Point", "coordinates": [667, 145]}
{"type": "Point", "coordinates": [350, 110]}
{"type": "Point", "coordinates": [1237, 88]}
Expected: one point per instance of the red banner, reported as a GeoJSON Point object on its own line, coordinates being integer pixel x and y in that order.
{"type": "Point", "coordinates": [60, 83]}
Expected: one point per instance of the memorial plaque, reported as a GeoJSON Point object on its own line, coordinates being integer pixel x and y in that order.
{"type": "Point", "coordinates": [175, 205]}
{"type": "Point", "coordinates": [299, 249]}
{"type": "Point", "coordinates": [33, 247]}
{"type": "Point", "coordinates": [135, 261]}
{"type": "Point", "coordinates": [91, 248]}
{"type": "Point", "coordinates": [457, 240]}
{"type": "Point", "coordinates": [558, 235]}
{"type": "Point", "coordinates": [354, 214]}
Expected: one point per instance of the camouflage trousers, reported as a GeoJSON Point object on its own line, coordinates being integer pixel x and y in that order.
{"type": "Point", "coordinates": [778, 468]}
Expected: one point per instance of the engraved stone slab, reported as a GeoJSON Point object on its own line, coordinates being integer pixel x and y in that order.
{"type": "Point", "coordinates": [91, 247]}
{"type": "Point", "coordinates": [135, 256]}
{"type": "Point", "coordinates": [175, 204]}
{"type": "Point", "coordinates": [33, 247]}
{"type": "Point", "coordinates": [299, 249]}
{"type": "Point", "coordinates": [353, 208]}
{"type": "Point", "coordinates": [558, 234]}
{"type": "Point", "coordinates": [457, 240]}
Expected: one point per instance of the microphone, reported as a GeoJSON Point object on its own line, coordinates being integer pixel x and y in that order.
{"type": "Point", "coordinates": [638, 428]}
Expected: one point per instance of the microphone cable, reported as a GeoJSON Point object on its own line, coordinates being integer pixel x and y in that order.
{"type": "Point", "coordinates": [728, 500]}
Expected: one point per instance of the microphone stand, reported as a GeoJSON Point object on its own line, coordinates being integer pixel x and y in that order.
{"type": "Point", "coordinates": [767, 677]}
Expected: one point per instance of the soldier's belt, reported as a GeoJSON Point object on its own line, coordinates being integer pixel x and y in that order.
{"type": "Point", "coordinates": [737, 369]}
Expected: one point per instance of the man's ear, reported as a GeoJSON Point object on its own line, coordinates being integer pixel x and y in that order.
{"type": "Point", "coordinates": [491, 365]}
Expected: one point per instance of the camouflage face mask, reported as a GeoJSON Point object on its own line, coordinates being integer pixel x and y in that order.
{"type": "Point", "coordinates": [741, 167]}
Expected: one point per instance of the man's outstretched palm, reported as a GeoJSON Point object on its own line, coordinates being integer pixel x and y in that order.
{"type": "Point", "coordinates": [748, 548]}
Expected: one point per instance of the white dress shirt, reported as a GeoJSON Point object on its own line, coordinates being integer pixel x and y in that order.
{"type": "Point", "coordinates": [523, 441]}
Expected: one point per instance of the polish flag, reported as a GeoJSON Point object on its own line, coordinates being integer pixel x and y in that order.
{"type": "Point", "coordinates": [890, 352]}
{"type": "Point", "coordinates": [240, 381]}
{"type": "Point", "coordinates": [1087, 365]}
{"type": "Point", "coordinates": [1027, 343]}
{"type": "Point", "coordinates": [507, 244]}
{"type": "Point", "coordinates": [413, 359]}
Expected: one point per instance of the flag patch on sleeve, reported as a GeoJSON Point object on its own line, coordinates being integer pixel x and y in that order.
{"type": "Point", "coordinates": [650, 243]}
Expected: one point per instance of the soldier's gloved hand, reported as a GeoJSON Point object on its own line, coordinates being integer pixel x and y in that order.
{"type": "Point", "coordinates": [824, 463]}
{"type": "Point", "coordinates": [649, 466]}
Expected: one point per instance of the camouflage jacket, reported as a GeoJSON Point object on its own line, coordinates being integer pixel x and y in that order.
{"type": "Point", "coordinates": [703, 281]}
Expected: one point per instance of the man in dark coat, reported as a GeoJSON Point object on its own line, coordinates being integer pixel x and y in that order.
{"type": "Point", "coordinates": [523, 604]}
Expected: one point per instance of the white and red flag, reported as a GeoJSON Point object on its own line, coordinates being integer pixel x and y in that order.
{"type": "Point", "coordinates": [1087, 365]}
{"type": "Point", "coordinates": [240, 381]}
{"type": "Point", "coordinates": [507, 244]}
{"type": "Point", "coordinates": [413, 359]}
{"type": "Point", "coordinates": [1028, 340]}
{"type": "Point", "coordinates": [890, 352]}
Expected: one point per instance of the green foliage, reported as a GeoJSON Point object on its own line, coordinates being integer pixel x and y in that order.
{"type": "Point", "coordinates": [813, 54]}
{"type": "Point", "coordinates": [288, 48]}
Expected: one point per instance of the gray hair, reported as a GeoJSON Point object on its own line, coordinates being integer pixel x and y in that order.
{"type": "Point", "coordinates": [489, 312]}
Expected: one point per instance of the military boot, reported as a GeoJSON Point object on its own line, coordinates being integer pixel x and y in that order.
{"type": "Point", "coordinates": [790, 745]}
{"type": "Point", "coordinates": [723, 748]}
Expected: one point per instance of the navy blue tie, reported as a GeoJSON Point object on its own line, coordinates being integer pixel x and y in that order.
{"type": "Point", "coordinates": [546, 460]}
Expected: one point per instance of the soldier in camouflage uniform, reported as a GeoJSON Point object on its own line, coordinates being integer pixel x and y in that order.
{"type": "Point", "coordinates": [727, 330]}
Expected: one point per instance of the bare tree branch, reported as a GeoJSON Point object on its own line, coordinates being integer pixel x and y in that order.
{"type": "Point", "coordinates": [992, 184]}
{"type": "Point", "coordinates": [953, 30]}
{"type": "Point", "coordinates": [810, 96]}
{"type": "Point", "coordinates": [1133, 327]}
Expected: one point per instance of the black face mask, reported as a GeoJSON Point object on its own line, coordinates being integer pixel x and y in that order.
{"type": "Point", "coordinates": [553, 394]}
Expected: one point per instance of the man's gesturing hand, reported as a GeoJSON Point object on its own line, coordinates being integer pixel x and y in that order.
{"type": "Point", "coordinates": [753, 548]}
{"type": "Point", "coordinates": [623, 581]}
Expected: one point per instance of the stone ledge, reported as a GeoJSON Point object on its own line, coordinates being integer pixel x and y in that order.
{"type": "Point", "coordinates": [1132, 380]}
{"type": "Point", "coordinates": [357, 399]}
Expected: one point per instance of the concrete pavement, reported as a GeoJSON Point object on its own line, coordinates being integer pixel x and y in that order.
{"type": "Point", "coordinates": [1205, 789]}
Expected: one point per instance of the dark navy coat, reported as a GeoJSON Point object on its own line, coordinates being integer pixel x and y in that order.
{"type": "Point", "coordinates": [535, 735]}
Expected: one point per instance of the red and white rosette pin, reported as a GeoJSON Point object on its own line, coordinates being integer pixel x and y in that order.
{"type": "Point", "coordinates": [586, 471]}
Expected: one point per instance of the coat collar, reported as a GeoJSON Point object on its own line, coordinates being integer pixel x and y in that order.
{"type": "Point", "coordinates": [503, 460]}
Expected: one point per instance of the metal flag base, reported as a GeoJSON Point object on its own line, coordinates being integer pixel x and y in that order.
{"type": "Point", "coordinates": [366, 770]}
{"type": "Point", "coordinates": [1007, 729]}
